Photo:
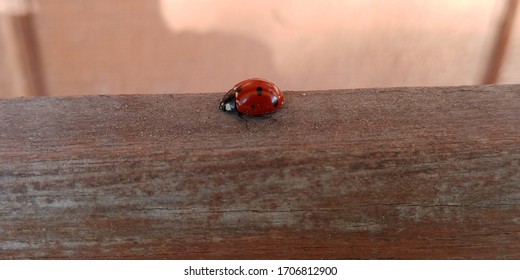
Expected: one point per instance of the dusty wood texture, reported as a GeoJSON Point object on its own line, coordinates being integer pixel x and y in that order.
{"type": "Point", "coordinates": [370, 173]}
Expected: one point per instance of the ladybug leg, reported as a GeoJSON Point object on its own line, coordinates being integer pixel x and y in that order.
{"type": "Point", "coordinates": [242, 117]}
{"type": "Point", "coordinates": [268, 116]}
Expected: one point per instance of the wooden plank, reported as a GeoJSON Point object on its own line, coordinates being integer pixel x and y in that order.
{"type": "Point", "coordinates": [370, 173]}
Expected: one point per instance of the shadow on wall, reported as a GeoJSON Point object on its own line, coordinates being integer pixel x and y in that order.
{"type": "Point", "coordinates": [127, 49]}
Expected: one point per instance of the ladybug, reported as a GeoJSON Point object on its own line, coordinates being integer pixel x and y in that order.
{"type": "Point", "coordinates": [253, 97]}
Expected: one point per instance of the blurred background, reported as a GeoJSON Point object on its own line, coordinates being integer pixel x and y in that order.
{"type": "Point", "coordinates": [86, 47]}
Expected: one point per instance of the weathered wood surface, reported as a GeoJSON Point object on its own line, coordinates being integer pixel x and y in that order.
{"type": "Point", "coordinates": [370, 173]}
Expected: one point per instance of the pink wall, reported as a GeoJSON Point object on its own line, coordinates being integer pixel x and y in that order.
{"type": "Point", "coordinates": [142, 46]}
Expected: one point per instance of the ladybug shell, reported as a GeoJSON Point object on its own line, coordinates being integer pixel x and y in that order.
{"type": "Point", "coordinates": [257, 97]}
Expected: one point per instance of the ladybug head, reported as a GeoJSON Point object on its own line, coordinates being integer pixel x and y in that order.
{"type": "Point", "coordinates": [227, 103]}
{"type": "Point", "coordinates": [227, 106]}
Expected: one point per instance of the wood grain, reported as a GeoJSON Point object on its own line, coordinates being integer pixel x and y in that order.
{"type": "Point", "coordinates": [405, 173]}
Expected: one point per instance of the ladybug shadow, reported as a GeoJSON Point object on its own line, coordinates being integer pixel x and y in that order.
{"type": "Point", "coordinates": [252, 123]}
{"type": "Point", "coordinates": [267, 121]}
{"type": "Point", "coordinates": [256, 120]}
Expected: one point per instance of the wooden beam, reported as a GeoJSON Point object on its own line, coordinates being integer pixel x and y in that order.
{"type": "Point", "coordinates": [426, 173]}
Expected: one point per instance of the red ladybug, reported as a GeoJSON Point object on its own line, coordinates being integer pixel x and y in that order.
{"type": "Point", "coordinates": [253, 97]}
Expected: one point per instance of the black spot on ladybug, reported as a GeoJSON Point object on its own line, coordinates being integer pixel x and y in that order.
{"type": "Point", "coordinates": [252, 107]}
{"type": "Point", "coordinates": [275, 101]}
{"type": "Point", "coordinates": [259, 91]}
